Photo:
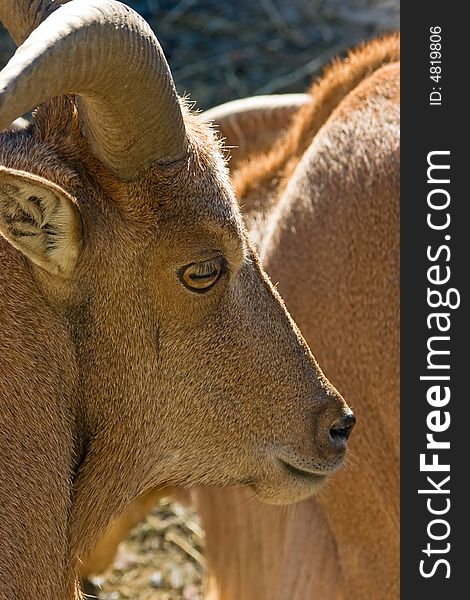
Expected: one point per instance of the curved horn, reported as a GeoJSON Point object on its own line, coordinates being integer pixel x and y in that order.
{"type": "Point", "coordinates": [253, 113]}
{"type": "Point", "coordinates": [107, 54]}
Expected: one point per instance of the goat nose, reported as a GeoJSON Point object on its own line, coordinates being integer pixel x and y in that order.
{"type": "Point", "coordinates": [341, 429]}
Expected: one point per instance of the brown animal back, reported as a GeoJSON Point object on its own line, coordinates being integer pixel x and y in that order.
{"type": "Point", "coordinates": [271, 172]}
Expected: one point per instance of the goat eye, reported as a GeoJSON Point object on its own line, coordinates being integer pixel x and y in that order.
{"type": "Point", "coordinates": [202, 276]}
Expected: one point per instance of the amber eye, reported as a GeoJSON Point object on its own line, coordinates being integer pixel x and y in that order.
{"type": "Point", "coordinates": [200, 277]}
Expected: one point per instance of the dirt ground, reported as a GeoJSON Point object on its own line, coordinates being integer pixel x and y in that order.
{"type": "Point", "coordinates": [219, 51]}
{"type": "Point", "coordinates": [162, 559]}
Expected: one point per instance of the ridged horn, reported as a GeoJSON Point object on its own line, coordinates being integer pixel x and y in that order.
{"type": "Point", "coordinates": [106, 54]}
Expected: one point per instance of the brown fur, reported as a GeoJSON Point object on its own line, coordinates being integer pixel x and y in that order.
{"type": "Point", "coordinates": [297, 555]}
{"type": "Point", "coordinates": [115, 378]}
{"type": "Point", "coordinates": [332, 242]}
{"type": "Point", "coordinates": [266, 176]}
{"type": "Point", "coordinates": [105, 550]}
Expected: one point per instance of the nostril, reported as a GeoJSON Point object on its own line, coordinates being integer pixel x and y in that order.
{"type": "Point", "coordinates": [341, 430]}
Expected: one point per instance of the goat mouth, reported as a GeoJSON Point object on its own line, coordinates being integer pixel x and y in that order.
{"type": "Point", "coordinates": [313, 477]}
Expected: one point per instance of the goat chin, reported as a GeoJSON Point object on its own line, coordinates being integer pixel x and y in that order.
{"type": "Point", "coordinates": [297, 491]}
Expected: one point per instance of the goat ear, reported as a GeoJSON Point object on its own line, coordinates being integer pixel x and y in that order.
{"type": "Point", "coordinates": [41, 220]}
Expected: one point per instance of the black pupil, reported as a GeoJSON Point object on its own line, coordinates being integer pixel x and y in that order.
{"type": "Point", "coordinates": [199, 276]}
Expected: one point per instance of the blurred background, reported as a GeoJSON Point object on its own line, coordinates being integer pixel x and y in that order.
{"type": "Point", "coordinates": [219, 51]}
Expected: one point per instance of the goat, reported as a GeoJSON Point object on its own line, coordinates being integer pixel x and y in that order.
{"type": "Point", "coordinates": [142, 343]}
{"type": "Point", "coordinates": [248, 126]}
{"type": "Point", "coordinates": [323, 205]}
{"type": "Point", "coordinates": [332, 243]}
